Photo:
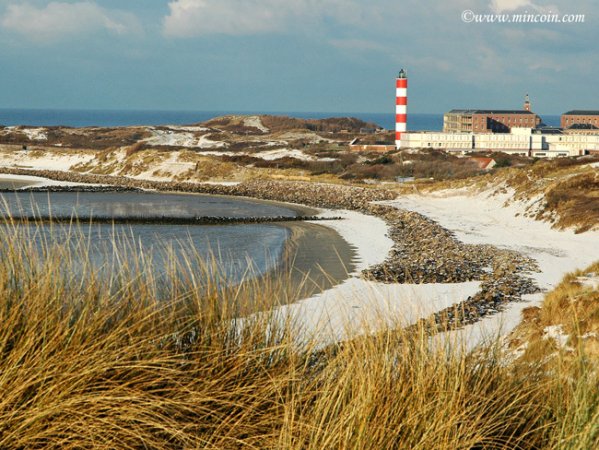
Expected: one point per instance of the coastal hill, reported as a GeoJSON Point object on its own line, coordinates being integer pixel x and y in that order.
{"type": "Point", "coordinates": [225, 131]}
{"type": "Point", "coordinates": [266, 124]}
{"type": "Point", "coordinates": [237, 148]}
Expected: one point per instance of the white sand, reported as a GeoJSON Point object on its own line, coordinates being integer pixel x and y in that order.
{"type": "Point", "coordinates": [39, 181]}
{"type": "Point", "coordinates": [31, 159]}
{"type": "Point", "coordinates": [255, 122]}
{"type": "Point", "coordinates": [268, 155]}
{"type": "Point", "coordinates": [557, 334]}
{"type": "Point", "coordinates": [35, 134]}
{"type": "Point", "coordinates": [271, 155]}
{"type": "Point", "coordinates": [206, 142]}
{"type": "Point", "coordinates": [357, 306]}
{"type": "Point", "coordinates": [590, 281]}
{"type": "Point", "coordinates": [483, 219]}
{"type": "Point", "coordinates": [182, 137]}
{"type": "Point", "coordinates": [193, 129]}
{"type": "Point", "coordinates": [171, 138]}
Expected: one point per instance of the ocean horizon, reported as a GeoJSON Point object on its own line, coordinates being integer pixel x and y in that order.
{"type": "Point", "coordinates": [121, 118]}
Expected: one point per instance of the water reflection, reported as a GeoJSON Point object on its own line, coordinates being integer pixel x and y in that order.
{"type": "Point", "coordinates": [234, 249]}
{"type": "Point", "coordinates": [136, 204]}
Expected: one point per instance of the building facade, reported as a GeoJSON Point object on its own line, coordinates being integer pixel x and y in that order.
{"type": "Point", "coordinates": [520, 141]}
{"type": "Point", "coordinates": [579, 117]}
{"type": "Point", "coordinates": [439, 140]}
{"type": "Point", "coordinates": [489, 121]}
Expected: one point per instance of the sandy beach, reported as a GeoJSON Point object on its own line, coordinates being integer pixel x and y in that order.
{"type": "Point", "coordinates": [358, 306]}
{"type": "Point", "coordinates": [354, 305]}
{"type": "Point", "coordinates": [485, 218]}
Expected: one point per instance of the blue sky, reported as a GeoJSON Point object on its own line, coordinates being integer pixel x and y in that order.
{"type": "Point", "coordinates": [294, 55]}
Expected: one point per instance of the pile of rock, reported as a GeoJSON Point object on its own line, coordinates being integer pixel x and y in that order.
{"type": "Point", "coordinates": [311, 194]}
{"type": "Point", "coordinates": [424, 252]}
{"type": "Point", "coordinates": [76, 188]}
{"type": "Point", "coordinates": [316, 194]}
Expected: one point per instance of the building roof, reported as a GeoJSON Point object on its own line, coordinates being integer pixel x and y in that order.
{"type": "Point", "coordinates": [483, 163]}
{"type": "Point", "coordinates": [490, 111]}
{"type": "Point", "coordinates": [549, 130]}
{"type": "Point", "coordinates": [581, 112]}
{"type": "Point", "coordinates": [583, 126]}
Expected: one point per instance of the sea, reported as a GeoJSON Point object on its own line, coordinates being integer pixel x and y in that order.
{"type": "Point", "coordinates": [115, 118]}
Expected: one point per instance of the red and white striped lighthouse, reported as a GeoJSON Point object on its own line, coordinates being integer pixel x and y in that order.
{"type": "Point", "coordinates": [401, 106]}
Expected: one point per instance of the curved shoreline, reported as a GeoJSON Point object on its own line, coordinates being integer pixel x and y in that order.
{"type": "Point", "coordinates": [309, 269]}
{"type": "Point", "coordinates": [293, 192]}
{"type": "Point", "coordinates": [421, 251]}
{"type": "Point", "coordinates": [316, 258]}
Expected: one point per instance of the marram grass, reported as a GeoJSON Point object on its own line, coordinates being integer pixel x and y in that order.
{"type": "Point", "coordinates": [90, 360]}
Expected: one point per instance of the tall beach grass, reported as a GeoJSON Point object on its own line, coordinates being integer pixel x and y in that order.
{"type": "Point", "coordinates": [121, 361]}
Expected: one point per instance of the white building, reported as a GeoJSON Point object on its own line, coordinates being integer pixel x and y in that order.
{"type": "Point", "coordinates": [522, 141]}
{"type": "Point", "coordinates": [574, 144]}
{"type": "Point", "coordinates": [438, 140]}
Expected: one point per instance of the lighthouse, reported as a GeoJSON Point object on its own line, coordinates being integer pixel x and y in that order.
{"type": "Point", "coordinates": [401, 106]}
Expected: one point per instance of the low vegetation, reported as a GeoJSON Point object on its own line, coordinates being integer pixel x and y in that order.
{"type": "Point", "coordinates": [122, 358]}
{"type": "Point", "coordinates": [427, 165]}
{"type": "Point", "coordinates": [330, 125]}
{"type": "Point", "coordinates": [566, 325]}
{"type": "Point", "coordinates": [562, 191]}
{"type": "Point", "coordinates": [350, 166]}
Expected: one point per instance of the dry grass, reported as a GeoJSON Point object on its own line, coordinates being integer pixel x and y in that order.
{"type": "Point", "coordinates": [575, 201]}
{"type": "Point", "coordinates": [562, 339]}
{"type": "Point", "coordinates": [137, 160]}
{"type": "Point", "coordinates": [572, 308]}
{"type": "Point", "coordinates": [132, 361]}
{"type": "Point", "coordinates": [568, 189]}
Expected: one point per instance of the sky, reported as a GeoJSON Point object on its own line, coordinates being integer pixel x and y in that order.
{"type": "Point", "coordinates": [295, 55]}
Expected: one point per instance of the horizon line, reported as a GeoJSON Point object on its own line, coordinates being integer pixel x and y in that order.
{"type": "Point", "coordinates": [230, 111]}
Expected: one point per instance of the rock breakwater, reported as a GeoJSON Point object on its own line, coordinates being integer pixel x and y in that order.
{"type": "Point", "coordinates": [162, 220]}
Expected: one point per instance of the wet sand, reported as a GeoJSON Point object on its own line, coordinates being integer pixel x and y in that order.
{"type": "Point", "coordinates": [317, 258]}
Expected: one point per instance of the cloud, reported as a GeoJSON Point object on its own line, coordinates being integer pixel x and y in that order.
{"type": "Point", "coordinates": [188, 18]}
{"type": "Point", "coordinates": [59, 20]}
{"type": "Point", "coordinates": [196, 17]}
{"type": "Point", "coordinates": [502, 6]}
